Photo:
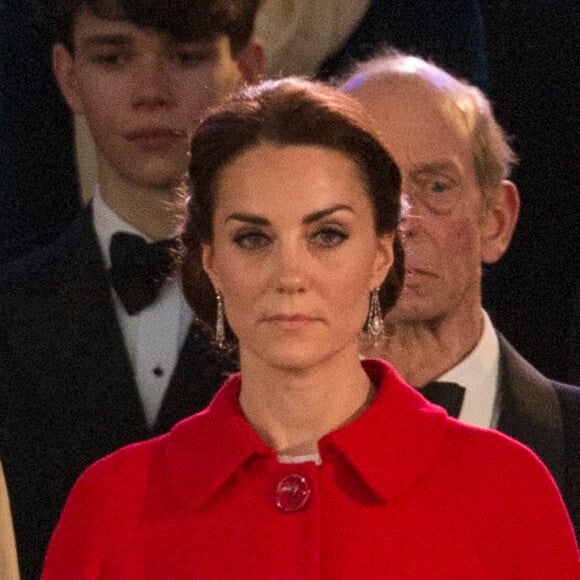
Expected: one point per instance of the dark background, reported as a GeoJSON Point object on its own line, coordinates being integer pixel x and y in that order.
{"type": "Point", "coordinates": [534, 76]}
{"type": "Point", "coordinates": [38, 188]}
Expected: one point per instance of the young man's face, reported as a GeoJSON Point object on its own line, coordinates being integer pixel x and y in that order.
{"type": "Point", "coordinates": [142, 94]}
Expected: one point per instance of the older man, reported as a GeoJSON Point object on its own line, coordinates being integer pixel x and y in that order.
{"type": "Point", "coordinates": [455, 161]}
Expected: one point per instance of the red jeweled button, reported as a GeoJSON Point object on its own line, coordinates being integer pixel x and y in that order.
{"type": "Point", "coordinates": [292, 493]}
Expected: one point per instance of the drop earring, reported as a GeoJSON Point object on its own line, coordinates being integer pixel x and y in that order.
{"type": "Point", "coordinates": [220, 326]}
{"type": "Point", "coordinates": [375, 327]}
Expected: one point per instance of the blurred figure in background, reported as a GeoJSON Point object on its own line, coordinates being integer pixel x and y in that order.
{"type": "Point", "coordinates": [322, 38]}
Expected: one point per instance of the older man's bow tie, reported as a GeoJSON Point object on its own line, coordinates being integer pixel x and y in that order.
{"type": "Point", "coordinates": [447, 395]}
{"type": "Point", "coordinates": [138, 269]}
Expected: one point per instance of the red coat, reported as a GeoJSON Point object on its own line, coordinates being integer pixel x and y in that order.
{"type": "Point", "coordinates": [403, 492]}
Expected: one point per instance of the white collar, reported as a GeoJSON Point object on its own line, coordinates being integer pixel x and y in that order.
{"type": "Point", "coordinates": [478, 372]}
{"type": "Point", "coordinates": [107, 222]}
{"type": "Point", "coordinates": [479, 363]}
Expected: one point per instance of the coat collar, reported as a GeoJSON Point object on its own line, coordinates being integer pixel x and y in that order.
{"type": "Point", "coordinates": [389, 446]}
{"type": "Point", "coordinates": [396, 438]}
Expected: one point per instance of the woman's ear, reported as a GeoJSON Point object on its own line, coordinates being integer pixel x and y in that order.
{"type": "Point", "coordinates": [64, 70]}
{"type": "Point", "coordinates": [383, 260]}
{"type": "Point", "coordinates": [207, 258]}
{"type": "Point", "coordinates": [499, 222]}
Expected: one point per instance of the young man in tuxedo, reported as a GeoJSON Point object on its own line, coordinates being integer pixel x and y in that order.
{"type": "Point", "coordinates": [455, 162]}
{"type": "Point", "coordinates": [97, 344]}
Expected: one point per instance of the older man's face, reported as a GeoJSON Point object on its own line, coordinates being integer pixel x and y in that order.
{"type": "Point", "coordinates": [429, 141]}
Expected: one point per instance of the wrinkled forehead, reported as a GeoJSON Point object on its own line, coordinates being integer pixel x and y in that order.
{"type": "Point", "coordinates": [422, 103]}
{"type": "Point", "coordinates": [418, 125]}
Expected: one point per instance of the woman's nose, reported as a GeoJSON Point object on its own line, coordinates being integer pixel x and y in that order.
{"type": "Point", "coordinates": [291, 271]}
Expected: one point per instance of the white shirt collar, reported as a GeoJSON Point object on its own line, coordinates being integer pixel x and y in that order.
{"type": "Point", "coordinates": [479, 363]}
{"type": "Point", "coordinates": [478, 372]}
{"type": "Point", "coordinates": [107, 222]}
{"type": "Point", "coordinates": [155, 336]}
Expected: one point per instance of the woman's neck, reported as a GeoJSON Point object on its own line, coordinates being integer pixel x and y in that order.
{"type": "Point", "coordinates": [292, 410]}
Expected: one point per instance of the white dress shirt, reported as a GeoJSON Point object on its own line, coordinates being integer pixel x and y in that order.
{"type": "Point", "coordinates": [155, 336]}
{"type": "Point", "coordinates": [479, 374]}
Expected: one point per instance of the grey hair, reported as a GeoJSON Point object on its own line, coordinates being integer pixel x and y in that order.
{"type": "Point", "coordinates": [493, 157]}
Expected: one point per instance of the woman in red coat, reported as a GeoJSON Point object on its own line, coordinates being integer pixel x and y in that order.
{"type": "Point", "coordinates": [310, 463]}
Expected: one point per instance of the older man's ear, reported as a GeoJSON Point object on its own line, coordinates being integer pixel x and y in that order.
{"type": "Point", "coordinates": [499, 222]}
{"type": "Point", "coordinates": [251, 61]}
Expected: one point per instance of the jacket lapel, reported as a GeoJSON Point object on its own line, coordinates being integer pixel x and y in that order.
{"type": "Point", "coordinates": [201, 369]}
{"type": "Point", "coordinates": [87, 324]}
{"type": "Point", "coordinates": [530, 410]}
{"type": "Point", "coordinates": [88, 345]}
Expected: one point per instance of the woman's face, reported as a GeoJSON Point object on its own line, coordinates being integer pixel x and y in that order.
{"type": "Point", "coordinates": [295, 254]}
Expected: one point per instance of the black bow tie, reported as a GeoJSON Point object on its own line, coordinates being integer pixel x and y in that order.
{"type": "Point", "coordinates": [138, 269]}
{"type": "Point", "coordinates": [447, 395]}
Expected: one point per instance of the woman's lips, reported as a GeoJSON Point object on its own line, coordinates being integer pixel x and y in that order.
{"type": "Point", "coordinates": [292, 321]}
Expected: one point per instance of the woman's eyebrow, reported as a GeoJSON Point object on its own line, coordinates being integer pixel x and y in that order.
{"type": "Point", "coordinates": [248, 218]}
{"type": "Point", "coordinates": [318, 215]}
{"type": "Point", "coordinates": [310, 218]}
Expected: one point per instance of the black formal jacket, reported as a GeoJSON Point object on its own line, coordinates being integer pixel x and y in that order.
{"type": "Point", "coordinates": [545, 416]}
{"type": "Point", "coordinates": [67, 392]}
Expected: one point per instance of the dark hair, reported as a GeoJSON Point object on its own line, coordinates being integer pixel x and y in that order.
{"type": "Point", "coordinates": [184, 20]}
{"type": "Point", "coordinates": [290, 111]}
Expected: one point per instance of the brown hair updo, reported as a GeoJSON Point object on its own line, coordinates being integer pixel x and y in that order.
{"type": "Point", "coordinates": [290, 111]}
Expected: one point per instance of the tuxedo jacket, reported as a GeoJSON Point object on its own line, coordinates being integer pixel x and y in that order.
{"type": "Point", "coordinates": [67, 392]}
{"type": "Point", "coordinates": [545, 416]}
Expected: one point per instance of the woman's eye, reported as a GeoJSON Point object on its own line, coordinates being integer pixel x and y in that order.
{"type": "Point", "coordinates": [330, 237]}
{"type": "Point", "coordinates": [251, 240]}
